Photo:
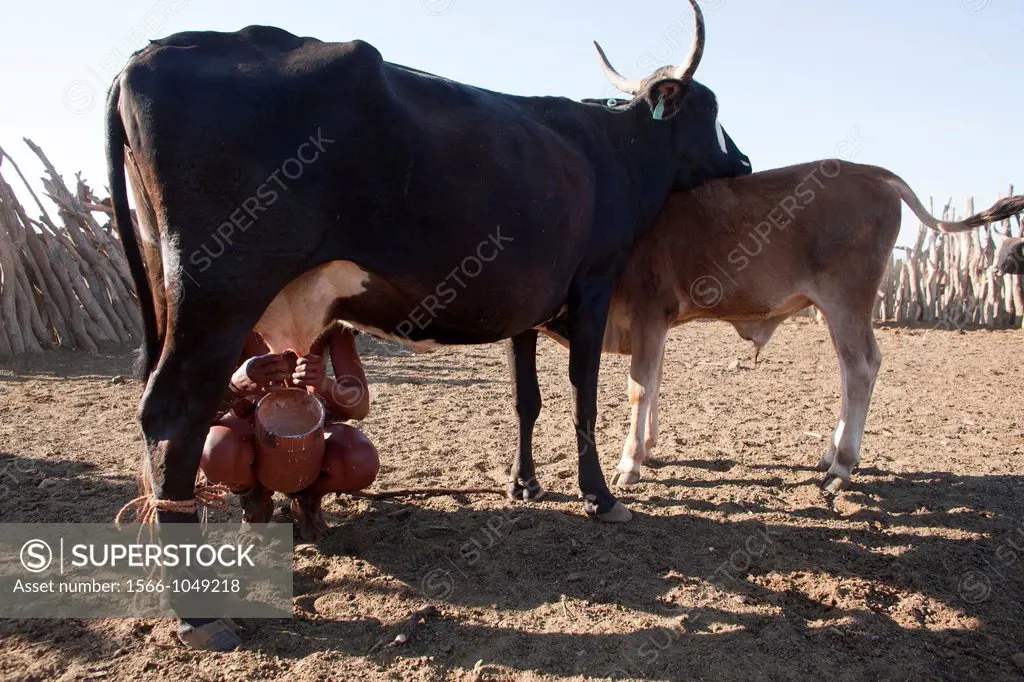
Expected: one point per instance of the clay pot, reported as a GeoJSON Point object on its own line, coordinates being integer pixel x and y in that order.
{"type": "Point", "coordinates": [289, 439]}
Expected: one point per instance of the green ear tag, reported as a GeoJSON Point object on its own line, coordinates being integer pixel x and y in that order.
{"type": "Point", "coordinates": [659, 111]}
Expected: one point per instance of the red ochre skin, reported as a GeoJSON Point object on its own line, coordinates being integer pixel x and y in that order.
{"type": "Point", "coordinates": [229, 456]}
{"type": "Point", "coordinates": [350, 461]}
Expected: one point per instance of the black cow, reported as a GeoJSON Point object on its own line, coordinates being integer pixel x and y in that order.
{"type": "Point", "coordinates": [1009, 258]}
{"type": "Point", "coordinates": [284, 183]}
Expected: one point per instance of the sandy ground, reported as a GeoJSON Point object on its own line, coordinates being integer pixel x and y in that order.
{"type": "Point", "coordinates": [734, 567]}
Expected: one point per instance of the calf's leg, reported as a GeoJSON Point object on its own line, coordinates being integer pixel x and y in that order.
{"type": "Point", "coordinates": [859, 360]}
{"type": "Point", "coordinates": [522, 361]}
{"type": "Point", "coordinates": [652, 415]}
{"type": "Point", "coordinates": [830, 454]}
{"type": "Point", "coordinates": [648, 345]}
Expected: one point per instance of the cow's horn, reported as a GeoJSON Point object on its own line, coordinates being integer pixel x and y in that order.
{"type": "Point", "coordinates": [614, 77]}
{"type": "Point", "coordinates": [685, 71]}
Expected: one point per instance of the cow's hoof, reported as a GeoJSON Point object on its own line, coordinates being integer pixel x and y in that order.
{"type": "Point", "coordinates": [215, 636]}
{"type": "Point", "coordinates": [618, 513]}
{"type": "Point", "coordinates": [621, 479]}
{"type": "Point", "coordinates": [525, 491]}
{"type": "Point", "coordinates": [833, 484]}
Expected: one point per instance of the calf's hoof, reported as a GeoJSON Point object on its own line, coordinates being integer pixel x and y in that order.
{"type": "Point", "coordinates": [616, 513]}
{"type": "Point", "coordinates": [525, 491]}
{"type": "Point", "coordinates": [833, 484]}
{"type": "Point", "coordinates": [220, 635]}
{"type": "Point", "coordinates": [621, 479]}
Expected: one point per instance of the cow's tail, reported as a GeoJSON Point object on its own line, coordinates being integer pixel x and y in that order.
{"type": "Point", "coordinates": [116, 140]}
{"type": "Point", "coordinates": [1002, 209]}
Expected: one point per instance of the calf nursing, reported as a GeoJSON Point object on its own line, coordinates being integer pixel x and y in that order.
{"type": "Point", "coordinates": [752, 251]}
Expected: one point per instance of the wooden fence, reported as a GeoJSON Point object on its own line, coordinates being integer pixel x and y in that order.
{"type": "Point", "coordinates": [66, 282]}
{"type": "Point", "coordinates": [948, 279]}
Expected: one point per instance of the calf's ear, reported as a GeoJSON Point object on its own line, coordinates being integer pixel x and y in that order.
{"type": "Point", "coordinates": [665, 97]}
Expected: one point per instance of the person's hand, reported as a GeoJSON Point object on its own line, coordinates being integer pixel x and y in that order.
{"type": "Point", "coordinates": [310, 370]}
{"type": "Point", "coordinates": [261, 373]}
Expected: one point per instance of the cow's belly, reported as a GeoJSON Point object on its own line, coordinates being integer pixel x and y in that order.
{"type": "Point", "coordinates": [343, 291]}
{"type": "Point", "coordinates": [301, 311]}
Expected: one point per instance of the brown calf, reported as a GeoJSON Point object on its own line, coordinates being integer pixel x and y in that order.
{"type": "Point", "coordinates": [752, 251]}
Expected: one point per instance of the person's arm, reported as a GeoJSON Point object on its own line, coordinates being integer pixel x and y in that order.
{"type": "Point", "coordinates": [258, 374]}
{"type": "Point", "coordinates": [347, 396]}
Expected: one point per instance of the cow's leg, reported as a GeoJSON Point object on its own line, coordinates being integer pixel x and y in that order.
{"type": "Point", "coordinates": [588, 313]}
{"type": "Point", "coordinates": [859, 359]}
{"type": "Point", "coordinates": [522, 363]}
{"type": "Point", "coordinates": [177, 409]}
{"type": "Point", "coordinates": [648, 345]}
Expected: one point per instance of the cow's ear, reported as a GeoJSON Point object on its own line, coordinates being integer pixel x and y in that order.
{"type": "Point", "coordinates": [665, 97]}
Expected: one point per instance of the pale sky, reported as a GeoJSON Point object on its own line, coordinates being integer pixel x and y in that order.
{"type": "Point", "coordinates": [930, 89]}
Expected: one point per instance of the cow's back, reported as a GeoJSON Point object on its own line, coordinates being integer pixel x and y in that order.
{"type": "Point", "coordinates": [227, 111]}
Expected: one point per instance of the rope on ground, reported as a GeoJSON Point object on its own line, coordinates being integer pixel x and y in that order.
{"type": "Point", "coordinates": [427, 492]}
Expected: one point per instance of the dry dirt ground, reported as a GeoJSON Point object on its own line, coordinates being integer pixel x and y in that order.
{"type": "Point", "coordinates": [734, 567]}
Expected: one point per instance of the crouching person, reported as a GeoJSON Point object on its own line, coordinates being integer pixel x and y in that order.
{"type": "Point", "coordinates": [350, 461]}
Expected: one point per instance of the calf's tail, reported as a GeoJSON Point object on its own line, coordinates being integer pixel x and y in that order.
{"type": "Point", "coordinates": [1002, 209]}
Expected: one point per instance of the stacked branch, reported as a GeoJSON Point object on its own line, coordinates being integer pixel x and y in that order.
{"type": "Point", "coordinates": [948, 280]}
{"type": "Point", "coordinates": [65, 282]}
